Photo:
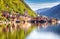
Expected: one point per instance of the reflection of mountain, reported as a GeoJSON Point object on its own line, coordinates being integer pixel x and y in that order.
{"type": "Point", "coordinates": [51, 32]}
{"type": "Point", "coordinates": [52, 12]}
{"type": "Point", "coordinates": [55, 29]}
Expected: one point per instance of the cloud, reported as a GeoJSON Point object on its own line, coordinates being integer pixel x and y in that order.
{"type": "Point", "coordinates": [35, 6]}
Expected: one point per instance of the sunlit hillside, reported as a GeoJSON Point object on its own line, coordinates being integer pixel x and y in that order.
{"type": "Point", "coordinates": [8, 14]}
{"type": "Point", "coordinates": [16, 6]}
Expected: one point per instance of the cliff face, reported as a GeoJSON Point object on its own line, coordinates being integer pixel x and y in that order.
{"type": "Point", "coordinates": [17, 6]}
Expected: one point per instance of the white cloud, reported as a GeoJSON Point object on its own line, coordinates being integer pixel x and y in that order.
{"type": "Point", "coordinates": [35, 6]}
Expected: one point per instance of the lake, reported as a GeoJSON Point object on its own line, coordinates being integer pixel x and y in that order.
{"type": "Point", "coordinates": [50, 32]}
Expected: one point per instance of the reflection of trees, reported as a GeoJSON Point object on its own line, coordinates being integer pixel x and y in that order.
{"type": "Point", "coordinates": [46, 24]}
{"type": "Point", "coordinates": [19, 33]}
{"type": "Point", "coordinates": [15, 34]}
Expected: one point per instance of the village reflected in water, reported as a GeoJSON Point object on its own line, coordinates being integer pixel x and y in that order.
{"type": "Point", "coordinates": [21, 25]}
{"type": "Point", "coordinates": [26, 22]}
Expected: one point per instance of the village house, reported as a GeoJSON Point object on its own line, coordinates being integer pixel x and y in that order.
{"type": "Point", "coordinates": [6, 14]}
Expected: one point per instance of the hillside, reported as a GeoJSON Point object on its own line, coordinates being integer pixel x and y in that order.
{"type": "Point", "coordinates": [41, 10]}
{"type": "Point", "coordinates": [52, 12]}
{"type": "Point", "coordinates": [8, 13]}
{"type": "Point", "coordinates": [16, 6]}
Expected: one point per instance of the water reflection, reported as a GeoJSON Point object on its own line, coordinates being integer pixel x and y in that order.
{"type": "Point", "coordinates": [42, 35]}
{"type": "Point", "coordinates": [25, 25]}
{"type": "Point", "coordinates": [45, 31]}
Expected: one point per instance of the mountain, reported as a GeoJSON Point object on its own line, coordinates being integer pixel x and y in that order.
{"type": "Point", "coordinates": [52, 12]}
{"type": "Point", "coordinates": [17, 6]}
{"type": "Point", "coordinates": [41, 10]}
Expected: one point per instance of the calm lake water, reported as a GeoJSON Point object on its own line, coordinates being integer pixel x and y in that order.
{"type": "Point", "coordinates": [50, 32]}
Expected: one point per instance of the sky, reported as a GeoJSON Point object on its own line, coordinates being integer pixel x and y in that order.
{"type": "Point", "coordinates": [40, 4]}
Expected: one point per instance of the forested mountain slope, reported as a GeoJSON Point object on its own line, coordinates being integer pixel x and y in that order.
{"type": "Point", "coordinates": [16, 6]}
